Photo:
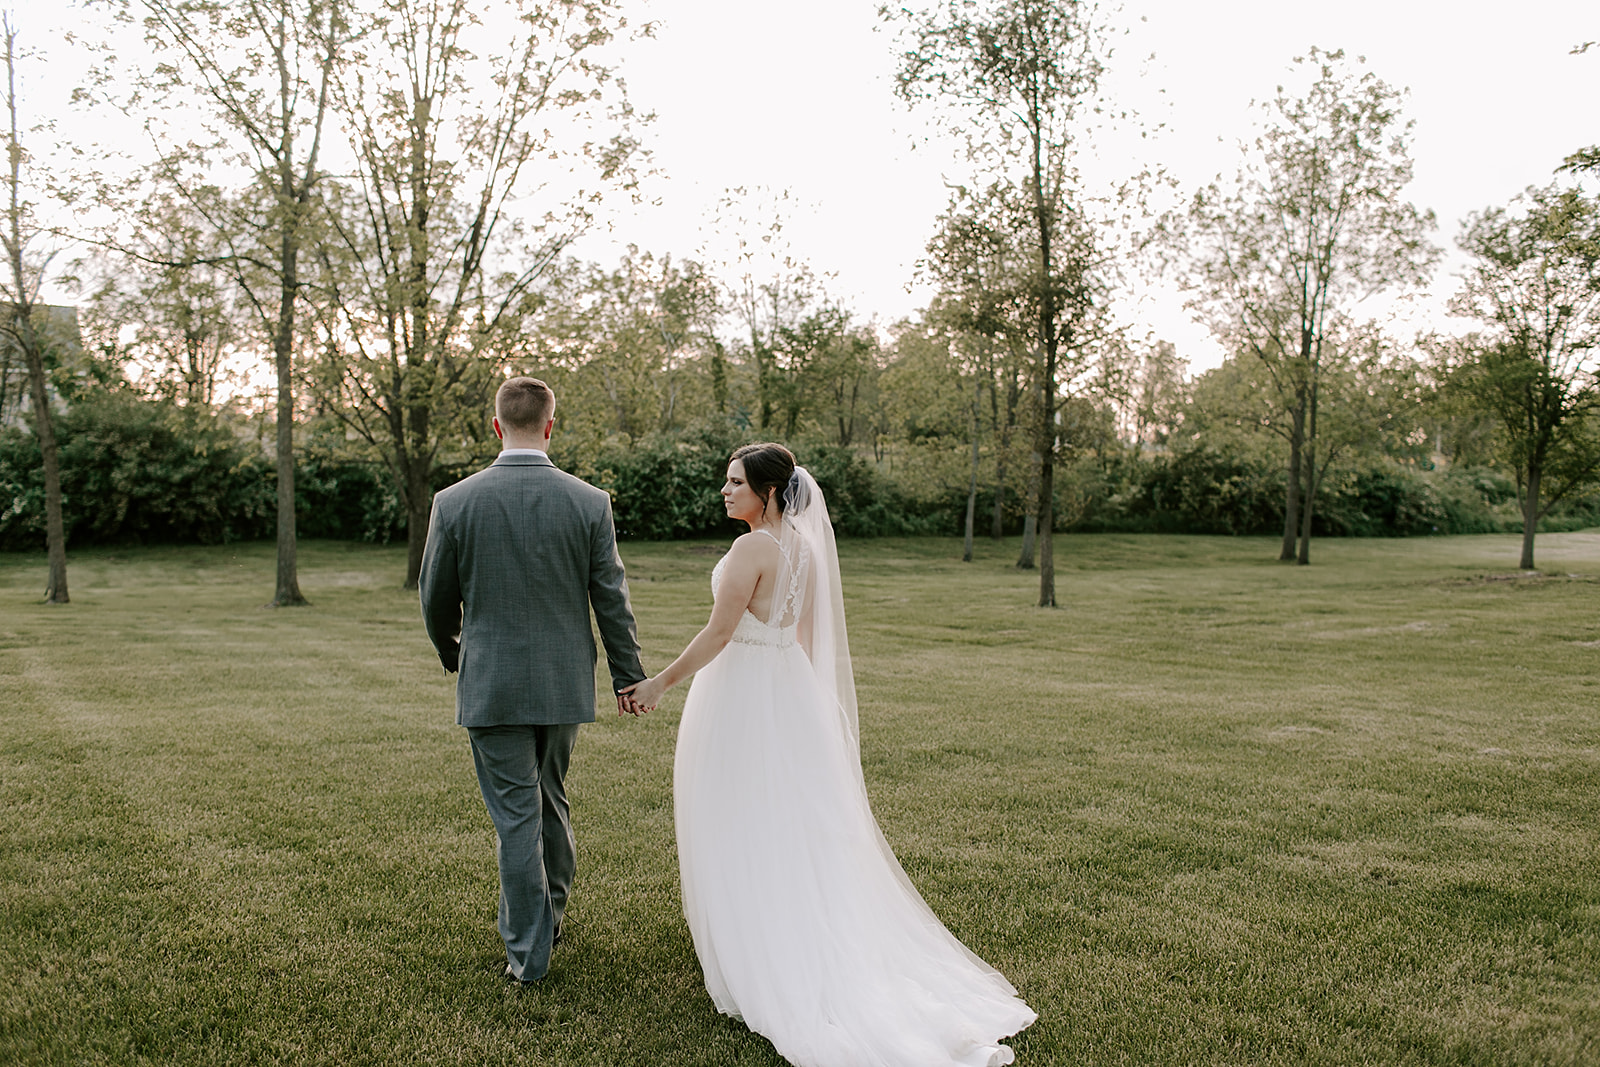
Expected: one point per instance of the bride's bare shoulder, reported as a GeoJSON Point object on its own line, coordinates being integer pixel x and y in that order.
{"type": "Point", "coordinates": [756, 547]}
{"type": "Point", "coordinates": [755, 540]}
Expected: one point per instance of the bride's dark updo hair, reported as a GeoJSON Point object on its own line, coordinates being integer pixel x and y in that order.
{"type": "Point", "coordinates": [768, 466]}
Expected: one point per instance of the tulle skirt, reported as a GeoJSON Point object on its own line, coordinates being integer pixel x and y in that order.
{"type": "Point", "coordinates": [805, 925]}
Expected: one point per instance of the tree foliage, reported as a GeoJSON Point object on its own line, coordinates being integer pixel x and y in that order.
{"type": "Point", "coordinates": [630, 350]}
{"type": "Point", "coordinates": [378, 201]}
{"type": "Point", "coordinates": [1015, 75]}
{"type": "Point", "coordinates": [1313, 223]}
{"type": "Point", "coordinates": [236, 96]}
{"type": "Point", "coordinates": [22, 325]}
{"type": "Point", "coordinates": [436, 259]}
{"type": "Point", "coordinates": [1534, 284]}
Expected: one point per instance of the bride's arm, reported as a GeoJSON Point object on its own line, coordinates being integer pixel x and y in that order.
{"type": "Point", "coordinates": [739, 577]}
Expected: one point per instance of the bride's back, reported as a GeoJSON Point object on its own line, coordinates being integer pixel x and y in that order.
{"type": "Point", "coordinates": [771, 570]}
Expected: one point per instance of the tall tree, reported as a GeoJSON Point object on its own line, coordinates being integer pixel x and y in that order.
{"type": "Point", "coordinates": [769, 290]}
{"type": "Point", "coordinates": [457, 120]}
{"type": "Point", "coordinates": [179, 315]}
{"type": "Point", "coordinates": [845, 377]}
{"type": "Point", "coordinates": [1312, 224]}
{"type": "Point", "coordinates": [626, 347]}
{"type": "Point", "coordinates": [1146, 387]}
{"type": "Point", "coordinates": [1534, 283]}
{"type": "Point", "coordinates": [820, 367]}
{"type": "Point", "coordinates": [21, 328]}
{"type": "Point", "coordinates": [984, 270]}
{"type": "Point", "coordinates": [1371, 402]}
{"type": "Point", "coordinates": [1020, 71]}
{"type": "Point", "coordinates": [261, 73]}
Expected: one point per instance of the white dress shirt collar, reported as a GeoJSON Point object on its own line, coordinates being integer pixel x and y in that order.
{"type": "Point", "coordinates": [524, 452]}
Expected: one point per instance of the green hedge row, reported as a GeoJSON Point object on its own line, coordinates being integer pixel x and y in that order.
{"type": "Point", "coordinates": [136, 470]}
{"type": "Point", "coordinates": [1206, 492]}
{"type": "Point", "coordinates": [1201, 491]}
{"type": "Point", "coordinates": [669, 488]}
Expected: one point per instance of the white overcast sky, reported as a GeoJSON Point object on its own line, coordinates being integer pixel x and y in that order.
{"type": "Point", "coordinates": [798, 96]}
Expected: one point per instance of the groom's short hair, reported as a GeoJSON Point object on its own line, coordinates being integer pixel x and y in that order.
{"type": "Point", "coordinates": [524, 404]}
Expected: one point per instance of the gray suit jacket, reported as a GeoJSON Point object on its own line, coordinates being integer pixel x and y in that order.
{"type": "Point", "coordinates": [516, 555]}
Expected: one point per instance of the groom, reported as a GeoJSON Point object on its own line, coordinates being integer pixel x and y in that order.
{"type": "Point", "coordinates": [516, 556]}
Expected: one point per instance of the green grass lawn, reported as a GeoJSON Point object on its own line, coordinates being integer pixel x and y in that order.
{"type": "Point", "coordinates": [1212, 810]}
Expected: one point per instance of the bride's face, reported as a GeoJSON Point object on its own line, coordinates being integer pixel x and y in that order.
{"type": "Point", "coordinates": [740, 500]}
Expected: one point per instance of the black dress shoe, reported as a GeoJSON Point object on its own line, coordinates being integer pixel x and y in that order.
{"type": "Point", "coordinates": [511, 977]}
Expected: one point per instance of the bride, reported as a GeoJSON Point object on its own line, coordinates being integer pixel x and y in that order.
{"type": "Point", "coordinates": [806, 926]}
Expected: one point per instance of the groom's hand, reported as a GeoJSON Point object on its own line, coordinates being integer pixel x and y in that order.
{"type": "Point", "coordinates": [642, 696]}
{"type": "Point", "coordinates": [625, 704]}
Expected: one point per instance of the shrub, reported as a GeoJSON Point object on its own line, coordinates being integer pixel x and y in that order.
{"type": "Point", "coordinates": [1380, 501]}
{"type": "Point", "coordinates": [347, 499]}
{"type": "Point", "coordinates": [1203, 491]}
{"type": "Point", "coordinates": [140, 470]}
{"type": "Point", "coordinates": [137, 471]}
{"type": "Point", "coordinates": [863, 504]}
{"type": "Point", "coordinates": [1197, 491]}
{"type": "Point", "coordinates": [668, 487]}
{"type": "Point", "coordinates": [665, 487]}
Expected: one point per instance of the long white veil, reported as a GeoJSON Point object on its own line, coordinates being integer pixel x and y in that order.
{"type": "Point", "coordinates": [812, 600]}
{"type": "Point", "coordinates": [816, 597]}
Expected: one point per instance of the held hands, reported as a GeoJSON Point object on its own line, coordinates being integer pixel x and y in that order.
{"type": "Point", "coordinates": [640, 697]}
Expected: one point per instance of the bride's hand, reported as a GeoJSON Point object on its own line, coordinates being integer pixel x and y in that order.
{"type": "Point", "coordinates": [645, 694]}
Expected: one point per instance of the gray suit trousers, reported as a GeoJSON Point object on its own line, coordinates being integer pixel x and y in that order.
{"type": "Point", "coordinates": [520, 770]}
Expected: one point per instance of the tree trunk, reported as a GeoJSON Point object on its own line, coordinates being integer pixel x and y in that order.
{"type": "Point", "coordinates": [24, 337]}
{"type": "Point", "coordinates": [763, 386]}
{"type": "Point", "coordinates": [1047, 487]}
{"type": "Point", "coordinates": [1306, 510]}
{"type": "Point", "coordinates": [1030, 534]}
{"type": "Point", "coordinates": [287, 592]}
{"type": "Point", "coordinates": [419, 506]}
{"type": "Point", "coordinates": [5, 383]}
{"type": "Point", "coordinates": [1002, 438]}
{"type": "Point", "coordinates": [55, 535]}
{"type": "Point", "coordinates": [1049, 341]}
{"type": "Point", "coordinates": [1291, 492]}
{"type": "Point", "coordinates": [997, 528]}
{"type": "Point", "coordinates": [417, 516]}
{"type": "Point", "coordinates": [972, 481]}
{"type": "Point", "coordinates": [1030, 523]}
{"type": "Point", "coordinates": [972, 505]}
{"type": "Point", "coordinates": [719, 377]}
{"type": "Point", "coordinates": [1310, 450]}
{"type": "Point", "coordinates": [1530, 516]}
{"type": "Point", "coordinates": [1047, 560]}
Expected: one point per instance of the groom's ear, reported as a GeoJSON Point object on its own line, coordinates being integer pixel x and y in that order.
{"type": "Point", "coordinates": [498, 432]}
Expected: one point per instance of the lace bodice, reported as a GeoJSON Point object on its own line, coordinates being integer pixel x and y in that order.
{"type": "Point", "coordinates": [782, 630]}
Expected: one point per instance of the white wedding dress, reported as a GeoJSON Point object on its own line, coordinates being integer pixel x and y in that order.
{"type": "Point", "coordinates": [805, 925]}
